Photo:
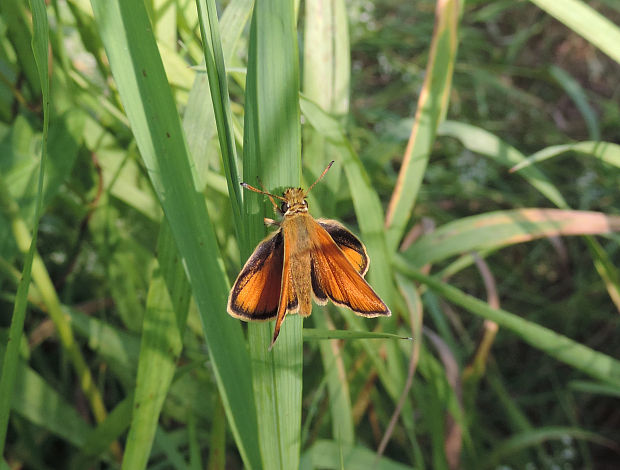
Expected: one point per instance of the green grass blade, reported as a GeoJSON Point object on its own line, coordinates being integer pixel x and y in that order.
{"type": "Point", "coordinates": [583, 358]}
{"type": "Point", "coordinates": [576, 92]}
{"type": "Point", "coordinates": [147, 99]}
{"type": "Point", "coordinates": [323, 333]}
{"type": "Point", "coordinates": [607, 152]}
{"type": "Point", "coordinates": [502, 228]}
{"type": "Point", "coordinates": [104, 435]}
{"type": "Point", "coordinates": [198, 120]}
{"type": "Point", "coordinates": [595, 388]}
{"type": "Point", "coordinates": [587, 22]}
{"type": "Point", "coordinates": [40, 404]}
{"type": "Point", "coordinates": [162, 340]}
{"type": "Point", "coordinates": [326, 77]}
{"type": "Point", "coordinates": [40, 40]}
{"type": "Point", "coordinates": [214, 60]}
{"type": "Point", "coordinates": [432, 106]}
{"type": "Point", "coordinates": [485, 143]}
{"type": "Point", "coordinates": [272, 151]}
{"type": "Point", "coordinates": [335, 375]}
{"type": "Point", "coordinates": [332, 455]}
{"type": "Point", "coordinates": [518, 442]}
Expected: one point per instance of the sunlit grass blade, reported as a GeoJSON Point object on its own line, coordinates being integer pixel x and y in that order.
{"type": "Point", "coordinates": [607, 152]}
{"type": "Point", "coordinates": [432, 107]}
{"type": "Point", "coordinates": [146, 96]}
{"type": "Point", "coordinates": [485, 143]}
{"type": "Point", "coordinates": [501, 228]}
{"type": "Point", "coordinates": [326, 78]}
{"type": "Point", "coordinates": [40, 40]}
{"type": "Point", "coordinates": [587, 22]}
{"type": "Point", "coordinates": [272, 152]}
{"type": "Point", "coordinates": [582, 358]}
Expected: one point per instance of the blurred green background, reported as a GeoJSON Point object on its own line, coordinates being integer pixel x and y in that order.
{"type": "Point", "coordinates": [503, 349]}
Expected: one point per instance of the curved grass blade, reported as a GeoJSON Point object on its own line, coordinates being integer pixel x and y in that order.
{"type": "Point", "coordinates": [146, 96]}
{"type": "Point", "coordinates": [576, 92]}
{"type": "Point", "coordinates": [587, 22]}
{"type": "Point", "coordinates": [595, 388]}
{"type": "Point", "coordinates": [501, 228]}
{"type": "Point", "coordinates": [485, 143]}
{"type": "Point", "coordinates": [432, 106]}
{"type": "Point", "coordinates": [590, 362]}
{"type": "Point", "coordinates": [607, 152]}
{"type": "Point", "coordinates": [272, 153]}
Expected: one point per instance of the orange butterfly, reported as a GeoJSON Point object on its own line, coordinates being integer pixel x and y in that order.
{"type": "Point", "coordinates": [304, 259]}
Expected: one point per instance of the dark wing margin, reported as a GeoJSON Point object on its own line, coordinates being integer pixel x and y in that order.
{"type": "Point", "coordinates": [256, 292]}
{"type": "Point", "coordinates": [351, 246]}
{"type": "Point", "coordinates": [334, 277]}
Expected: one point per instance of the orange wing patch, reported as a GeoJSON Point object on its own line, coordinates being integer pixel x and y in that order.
{"type": "Point", "coordinates": [351, 246]}
{"type": "Point", "coordinates": [256, 292]}
{"type": "Point", "coordinates": [335, 277]}
{"type": "Point", "coordinates": [288, 299]}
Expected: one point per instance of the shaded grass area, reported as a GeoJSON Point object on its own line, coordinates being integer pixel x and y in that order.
{"type": "Point", "coordinates": [156, 112]}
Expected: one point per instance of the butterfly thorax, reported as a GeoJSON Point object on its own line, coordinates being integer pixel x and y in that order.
{"type": "Point", "coordinates": [294, 202]}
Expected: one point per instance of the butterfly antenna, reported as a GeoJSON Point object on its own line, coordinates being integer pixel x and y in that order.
{"type": "Point", "coordinates": [273, 203]}
{"type": "Point", "coordinates": [260, 191]}
{"type": "Point", "coordinates": [320, 177]}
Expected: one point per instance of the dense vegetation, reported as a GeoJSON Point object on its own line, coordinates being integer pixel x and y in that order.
{"type": "Point", "coordinates": [125, 129]}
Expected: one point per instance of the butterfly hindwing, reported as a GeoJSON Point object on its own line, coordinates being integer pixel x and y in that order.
{"type": "Point", "coordinates": [256, 292]}
{"type": "Point", "coordinates": [335, 277]}
{"type": "Point", "coordinates": [351, 246]}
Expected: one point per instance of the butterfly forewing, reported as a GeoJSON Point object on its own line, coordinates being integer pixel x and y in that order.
{"type": "Point", "coordinates": [349, 244]}
{"type": "Point", "coordinates": [256, 292]}
{"type": "Point", "coordinates": [335, 277]}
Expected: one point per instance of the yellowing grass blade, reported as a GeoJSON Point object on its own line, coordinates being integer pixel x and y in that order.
{"type": "Point", "coordinates": [432, 106]}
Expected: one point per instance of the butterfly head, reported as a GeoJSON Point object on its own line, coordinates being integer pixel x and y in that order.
{"type": "Point", "coordinates": [294, 201]}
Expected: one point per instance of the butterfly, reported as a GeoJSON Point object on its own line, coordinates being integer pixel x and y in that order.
{"type": "Point", "coordinates": [304, 259]}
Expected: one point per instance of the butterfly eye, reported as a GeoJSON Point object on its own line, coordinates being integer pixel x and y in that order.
{"type": "Point", "coordinates": [305, 203]}
{"type": "Point", "coordinates": [284, 207]}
